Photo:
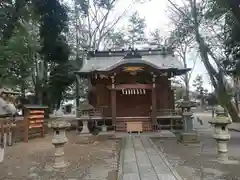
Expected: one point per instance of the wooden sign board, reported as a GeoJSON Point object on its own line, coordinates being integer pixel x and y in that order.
{"type": "Point", "coordinates": [34, 121]}
{"type": "Point", "coordinates": [133, 68]}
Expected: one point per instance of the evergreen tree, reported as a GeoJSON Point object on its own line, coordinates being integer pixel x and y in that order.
{"type": "Point", "coordinates": [136, 29]}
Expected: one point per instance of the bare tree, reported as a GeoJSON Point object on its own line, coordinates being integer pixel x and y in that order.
{"type": "Point", "coordinates": [156, 38]}
{"type": "Point", "coordinates": [93, 21]}
{"type": "Point", "coordinates": [183, 46]}
{"type": "Point", "coordinates": [182, 51]}
{"type": "Point", "coordinates": [193, 19]}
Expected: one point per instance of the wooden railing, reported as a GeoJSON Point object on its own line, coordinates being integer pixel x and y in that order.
{"type": "Point", "coordinates": [97, 112]}
{"type": "Point", "coordinates": [91, 113]}
{"type": "Point", "coordinates": [169, 119]}
{"type": "Point", "coordinates": [106, 112]}
{"type": "Point", "coordinates": [168, 112]}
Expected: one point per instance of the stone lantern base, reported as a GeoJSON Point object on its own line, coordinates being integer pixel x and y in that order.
{"type": "Point", "coordinates": [223, 150]}
{"type": "Point", "coordinates": [226, 161]}
{"type": "Point", "coordinates": [104, 131]}
{"type": "Point", "coordinates": [189, 138]}
{"type": "Point", "coordinates": [85, 137]}
{"type": "Point", "coordinates": [103, 128]}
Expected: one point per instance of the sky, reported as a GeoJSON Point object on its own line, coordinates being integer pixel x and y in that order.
{"type": "Point", "coordinates": [156, 16]}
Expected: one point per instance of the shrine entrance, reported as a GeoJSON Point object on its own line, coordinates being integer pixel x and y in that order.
{"type": "Point", "coordinates": [133, 107]}
{"type": "Point", "coordinates": [133, 103]}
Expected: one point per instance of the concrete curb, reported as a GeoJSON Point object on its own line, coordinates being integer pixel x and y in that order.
{"type": "Point", "coordinates": [176, 175]}
{"type": "Point", "coordinates": [233, 129]}
{"type": "Point", "coordinates": [121, 158]}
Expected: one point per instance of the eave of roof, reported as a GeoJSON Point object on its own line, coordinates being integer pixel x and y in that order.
{"type": "Point", "coordinates": [122, 53]}
{"type": "Point", "coordinates": [107, 61]}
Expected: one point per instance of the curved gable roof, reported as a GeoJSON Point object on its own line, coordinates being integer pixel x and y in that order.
{"type": "Point", "coordinates": [111, 61]}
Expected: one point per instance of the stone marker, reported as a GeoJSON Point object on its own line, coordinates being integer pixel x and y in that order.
{"type": "Point", "coordinates": [59, 127]}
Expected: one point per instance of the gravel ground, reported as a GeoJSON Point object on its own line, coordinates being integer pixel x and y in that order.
{"type": "Point", "coordinates": [199, 162]}
{"type": "Point", "coordinates": [33, 160]}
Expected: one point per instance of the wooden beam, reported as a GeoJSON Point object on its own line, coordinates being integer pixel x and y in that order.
{"type": "Point", "coordinates": [131, 86]}
{"type": "Point", "coordinates": [154, 107]}
{"type": "Point", "coordinates": [154, 102]}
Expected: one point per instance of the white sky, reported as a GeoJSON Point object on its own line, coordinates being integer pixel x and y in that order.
{"type": "Point", "coordinates": [156, 16]}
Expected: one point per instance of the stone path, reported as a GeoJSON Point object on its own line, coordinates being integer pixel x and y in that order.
{"type": "Point", "coordinates": [140, 160]}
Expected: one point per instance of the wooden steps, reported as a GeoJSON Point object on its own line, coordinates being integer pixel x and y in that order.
{"type": "Point", "coordinates": [121, 124]}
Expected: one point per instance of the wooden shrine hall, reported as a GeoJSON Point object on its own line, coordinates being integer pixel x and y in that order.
{"type": "Point", "coordinates": [131, 90]}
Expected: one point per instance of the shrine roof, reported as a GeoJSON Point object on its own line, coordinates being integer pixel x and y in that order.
{"type": "Point", "coordinates": [104, 61]}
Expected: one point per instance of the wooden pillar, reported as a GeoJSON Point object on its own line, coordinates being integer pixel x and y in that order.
{"type": "Point", "coordinates": [113, 102]}
{"type": "Point", "coordinates": [26, 124]}
{"type": "Point", "coordinates": [77, 102]}
{"type": "Point", "coordinates": [154, 103]}
{"type": "Point", "coordinates": [77, 93]}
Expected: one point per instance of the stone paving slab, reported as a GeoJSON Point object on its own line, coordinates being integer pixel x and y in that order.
{"type": "Point", "coordinates": [142, 161]}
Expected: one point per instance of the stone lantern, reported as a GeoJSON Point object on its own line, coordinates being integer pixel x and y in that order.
{"type": "Point", "coordinates": [84, 115]}
{"type": "Point", "coordinates": [220, 124]}
{"type": "Point", "coordinates": [6, 114]}
{"type": "Point", "coordinates": [104, 127]}
{"type": "Point", "coordinates": [188, 135]}
{"type": "Point", "coordinates": [59, 127]}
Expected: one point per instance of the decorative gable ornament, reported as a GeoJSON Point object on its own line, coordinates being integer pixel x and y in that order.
{"type": "Point", "coordinates": [132, 54]}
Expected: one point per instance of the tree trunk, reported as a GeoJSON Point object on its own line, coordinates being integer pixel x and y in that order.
{"type": "Point", "coordinates": [236, 101]}
{"type": "Point", "coordinates": [23, 89]}
{"type": "Point", "coordinates": [217, 78]}
{"type": "Point", "coordinates": [225, 101]}
{"type": "Point", "coordinates": [186, 81]}
{"type": "Point", "coordinates": [217, 81]}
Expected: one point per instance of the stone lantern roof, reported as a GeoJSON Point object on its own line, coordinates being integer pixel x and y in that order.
{"type": "Point", "coordinates": [220, 111]}
{"type": "Point", "coordinates": [186, 104]}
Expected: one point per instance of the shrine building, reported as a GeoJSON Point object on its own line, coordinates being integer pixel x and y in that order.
{"type": "Point", "coordinates": [132, 88]}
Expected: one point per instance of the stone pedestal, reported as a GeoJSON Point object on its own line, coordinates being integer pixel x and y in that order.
{"type": "Point", "coordinates": [85, 129]}
{"type": "Point", "coordinates": [59, 127]}
{"type": "Point", "coordinates": [104, 134]}
{"type": "Point", "coordinates": [85, 137]}
{"type": "Point", "coordinates": [104, 128]}
{"type": "Point", "coordinates": [188, 136]}
{"type": "Point", "coordinates": [222, 150]}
